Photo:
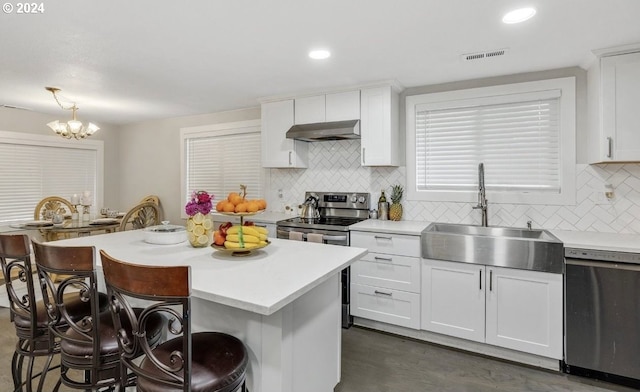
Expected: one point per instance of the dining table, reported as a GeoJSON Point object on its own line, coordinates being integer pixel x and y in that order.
{"type": "Point", "coordinates": [69, 228]}
{"type": "Point", "coordinates": [283, 301]}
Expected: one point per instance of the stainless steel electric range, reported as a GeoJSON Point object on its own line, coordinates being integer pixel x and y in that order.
{"type": "Point", "coordinates": [337, 211]}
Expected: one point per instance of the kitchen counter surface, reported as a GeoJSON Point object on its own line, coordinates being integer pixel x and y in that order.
{"type": "Point", "coordinates": [599, 241]}
{"type": "Point", "coordinates": [392, 227]}
{"type": "Point", "coordinates": [263, 282]}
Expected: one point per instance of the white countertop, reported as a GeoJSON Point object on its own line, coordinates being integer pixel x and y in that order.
{"type": "Point", "coordinates": [263, 282]}
{"type": "Point", "coordinates": [392, 227]}
{"type": "Point", "coordinates": [599, 241]}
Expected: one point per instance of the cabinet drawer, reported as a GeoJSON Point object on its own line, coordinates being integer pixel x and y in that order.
{"type": "Point", "coordinates": [396, 244]}
{"type": "Point", "coordinates": [389, 306]}
{"type": "Point", "coordinates": [388, 271]}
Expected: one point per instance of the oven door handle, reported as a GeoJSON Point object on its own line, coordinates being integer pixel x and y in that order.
{"type": "Point", "coordinates": [334, 237]}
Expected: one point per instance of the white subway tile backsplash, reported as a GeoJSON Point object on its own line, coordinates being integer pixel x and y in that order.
{"type": "Point", "coordinates": [335, 166]}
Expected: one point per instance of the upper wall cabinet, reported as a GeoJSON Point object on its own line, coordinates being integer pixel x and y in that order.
{"type": "Point", "coordinates": [380, 137]}
{"type": "Point", "coordinates": [328, 107]}
{"type": "Point", "coordinates": [614, 94]}
{"type": "Point", "coordinates": [277, 150]}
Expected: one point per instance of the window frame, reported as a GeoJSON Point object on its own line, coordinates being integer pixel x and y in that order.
{"type": "Point", "coordinates": [31, 139]}
{"type": "Point", "coordinates": [211, 130]}
{"type": "Point", "coordinates": [567, 195]}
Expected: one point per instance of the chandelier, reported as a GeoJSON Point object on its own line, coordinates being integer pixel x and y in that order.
{"type": "Point", "coordinates": [72, 128]}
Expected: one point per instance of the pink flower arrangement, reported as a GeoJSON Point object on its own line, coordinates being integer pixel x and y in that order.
{"type": "Point", "coordinates": [200, 202]}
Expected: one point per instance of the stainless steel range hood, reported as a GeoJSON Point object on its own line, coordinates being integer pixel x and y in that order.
{"type": "Point", "coordinates": [319, 132]}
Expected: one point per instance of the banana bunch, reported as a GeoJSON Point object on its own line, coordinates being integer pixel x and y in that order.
{"type": "Point", "coordinates": [245, 237]}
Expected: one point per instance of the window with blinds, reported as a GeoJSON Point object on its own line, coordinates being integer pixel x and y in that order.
{"type": "Point", "coordinates": [524, 135]}
{"type": "Point", "coordinates": [518, 142]}
{"type": "Point", "coordinates": [35, 167]}
{"type": "Point", "coordinates": [219, 158]}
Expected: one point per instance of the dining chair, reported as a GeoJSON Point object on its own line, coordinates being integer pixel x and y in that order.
{"type": "Point", "coordinates": [152, 198]}
{"type": "Point", "coordinates": [52, 205]}
{"type": "Point", "coordinates": [203, 361]}
{"type": "Point", "coordinates": [143, 215]}
{"type": "Point", "coordinates": [89, 355]}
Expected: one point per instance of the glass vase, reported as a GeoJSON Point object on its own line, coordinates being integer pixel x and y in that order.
{"type": "Point", "coordinates": [200, 230]}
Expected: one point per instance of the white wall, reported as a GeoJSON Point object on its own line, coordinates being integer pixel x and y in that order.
{"type": "Point", "coordinates": [149, 158]}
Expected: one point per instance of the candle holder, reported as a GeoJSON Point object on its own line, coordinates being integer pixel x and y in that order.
{"type": "Point", "coordinates": [86, 209]}
{"type": "Point", "coordinates": [75, 214]}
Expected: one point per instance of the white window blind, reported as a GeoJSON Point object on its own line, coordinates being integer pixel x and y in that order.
{"type": "Point", "coordinates": [33, 170]}
{"type": "Point", "coordinates": [516, 136]}
{"type": "Point", "coordinates": [218, 162]}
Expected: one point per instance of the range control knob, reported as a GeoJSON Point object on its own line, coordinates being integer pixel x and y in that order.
{"type": "Point", "coordinates": [353, 198]}
{"type": "Point", "coordinates": [361, 199]}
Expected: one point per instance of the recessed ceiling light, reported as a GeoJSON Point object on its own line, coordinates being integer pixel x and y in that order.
{"type": "Point", "coordinates": [519, 15]}
{"type": "Point", "coordinates": [319, 54]}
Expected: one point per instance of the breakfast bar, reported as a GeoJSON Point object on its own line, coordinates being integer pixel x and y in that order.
{"type": "Point", "coordinates": [283, 301]}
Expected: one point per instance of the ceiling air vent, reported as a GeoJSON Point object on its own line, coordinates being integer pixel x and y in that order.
{"type": "Point", "coordinates": [483, 55]}
{"type": "Point", "coordinates": [12, 107]}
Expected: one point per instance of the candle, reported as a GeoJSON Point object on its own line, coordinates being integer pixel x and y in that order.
{"type": "Point", "coordinates": [86, 194]}
{"type": "Point", "coordinates": [74, 199]}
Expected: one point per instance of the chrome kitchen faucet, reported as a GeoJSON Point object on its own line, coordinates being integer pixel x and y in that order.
{"type": "Point", "coordinates": [482, 197]}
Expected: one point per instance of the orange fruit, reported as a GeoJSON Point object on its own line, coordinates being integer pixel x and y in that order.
{"type": "Point", "coordinates": [220, 205]}
{"type": "Point", "coordinates": [229, 207]}
{"type": "Point", "coordinates": [253, 206]}
{"type": "Point", "coordinates": [242, 207]}
{"type": "Point", "coordinates": [235, 199]}
{"type": "Point", "coordinates": [263, 203]}
{"type": "Point", "coordinates": [218, 238]}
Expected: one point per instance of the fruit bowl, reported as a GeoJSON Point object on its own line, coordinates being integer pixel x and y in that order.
{"type": "Point", "coordinates": [239, 252]}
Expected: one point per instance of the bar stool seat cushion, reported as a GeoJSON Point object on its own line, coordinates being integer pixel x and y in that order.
{"type": "Point", "coordinates": [218, 363]}
{"type": "Point", "coordinates": [77, 348]}
{"type": "Point", "coordinates": [76, 307]}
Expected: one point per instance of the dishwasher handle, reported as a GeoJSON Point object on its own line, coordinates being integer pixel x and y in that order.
{"type": "Point", "coordinates": [603, 264]}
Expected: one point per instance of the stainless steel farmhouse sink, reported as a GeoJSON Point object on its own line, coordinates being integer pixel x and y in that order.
{"type": "Point", "coordinates": [529, 249]}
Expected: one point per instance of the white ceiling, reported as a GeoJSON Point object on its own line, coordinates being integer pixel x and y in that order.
{"type": "Point", "coordinates": [125, 61]}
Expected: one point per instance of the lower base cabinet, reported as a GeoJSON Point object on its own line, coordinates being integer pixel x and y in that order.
{"type": "Point", "coordinates": [390, 306]}
{"type": "Point", "coordinates": [515, 309]}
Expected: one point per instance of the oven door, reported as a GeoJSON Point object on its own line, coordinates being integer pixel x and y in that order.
{"type": "Point", "coordinates": [333, 238]}
{"type": "Point", "coordinates": [328, 236]}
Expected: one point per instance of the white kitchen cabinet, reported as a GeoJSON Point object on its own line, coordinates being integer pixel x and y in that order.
{"type": "Point", "coordinates": [614, 93]}
{"type": "Point", "coordinates": [380, 136]}
{"type": "Point", "coordinates": [524, 311]}
{"type": "Point", "coordinates": [385, 283]}
{"type": "Point", "coordinates": [510, 308]}
{"type": "Point", "coordinates": [328, 107]}
{"type": "Point", "coordinates": [453, 299]}
{"type": "Point", "coordinates": [277, 150]}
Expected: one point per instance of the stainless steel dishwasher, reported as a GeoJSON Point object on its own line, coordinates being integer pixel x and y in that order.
{"type": "Point", "coordinates": [602, 315]}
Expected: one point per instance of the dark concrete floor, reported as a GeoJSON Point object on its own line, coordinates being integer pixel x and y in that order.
{"type": "Point", "coordinates": [379, 362]}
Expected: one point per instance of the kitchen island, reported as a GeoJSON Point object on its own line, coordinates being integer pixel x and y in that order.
{"type": "Point", "coordinates": [282, 301]}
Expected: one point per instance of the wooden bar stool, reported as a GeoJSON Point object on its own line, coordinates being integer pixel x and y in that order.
{"type": "Point", "coordinates": [199, 362]}
{"type": "Point", "coordinates": [89, 354]}
{"type": "Point", "coordinates": [28, 315]}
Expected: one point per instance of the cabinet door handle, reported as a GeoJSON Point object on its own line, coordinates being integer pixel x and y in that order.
{"type": "Point", "coordinates": [383, 258]}
{"type": "Point", "coordinates": [480, 280]}
{"type": "Point", "coordinates": [363, 159]}
{"type": "Point", "coordinates": [289, 158]}
{"type": "Point", "coordinates": [609, 146]}
{"type": "Point", "coordinates": [383, 293]}
{"type": "Point", "coordinates": [490, 280]}
{"type": "Point", "coordinates": [379, 237]}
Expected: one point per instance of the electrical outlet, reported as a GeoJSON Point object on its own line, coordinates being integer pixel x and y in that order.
{"type": "Point", "coordinates": [601, 199]}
